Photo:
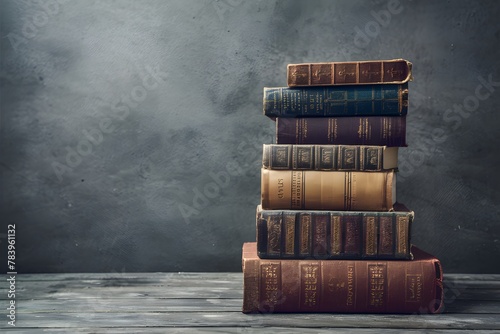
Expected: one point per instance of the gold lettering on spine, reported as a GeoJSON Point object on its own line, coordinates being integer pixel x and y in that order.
{"type": "Point", "coordinates": [326, 158]}
{"type": "Point", "coordinates": [371, 236]}
{"type": "Point", "coordinates": [357, 72]}
{"type": "Point", "coordinates": [297, 189]}
{"type": "Point", "coordinates": [271, 283]}
{"type": "Point", "coordinates": [360, 128]}
{"type": "Point", "coordinates": [330, 134]}
{"type": "Point", "coordinates": [305, 234]}
{"type": "Point", "coordinates": [377, 274]}
{"type": "Point", "coordinates": [352, 235]}
{"type": "Point", "coordinates": [251, 294]}
{"type": "Point", "coordinates": [294, 99]}
{"type": "Point", "coordinates": [298, 126]}
{"type": "Point", "coordinates": [382, 70]}
{"type": "Point", "coordinates": [401, 232]}
{"type": "Point", "coordinates": [309, 70]}
{"type": "Point", "coordinates": [281, 157]}
{"type": "Point", "coordinates": [368, 129]}
{"type": "Point", "coordinates": [348, 158]}
{"type": "Point", "coordinates": [274, 235]}
{"type": "Point", "coordinates": [351, 292]}
{"type": "Point", "coordinates": [310, 285]}
{"type": "Point", "coordinates": [320, 238]}
{"type": "Point", "coordinates": [332, 130]}
{"type": "Point", "coordinates": [414, 284]}
{"type": "Point", "coordinates": [387, 128]}
{"type": "Point", "coordinates": [373, 158]}
{"type": "Point", "coordinates": [364, 130]}
{"type": "Point", "coordinates": [336, 235]}
{"type": "Point", "coordinates": [281, 188]}
{"type": "Point", "coordinates": [300, 130]}
{"type": "Point", "coordinates": [385, 236]}
{"type": "Point", "coordinates": [303, 157]}
{"type": "Point", "coordinates": [290, 235]}
{"type": "Point", "coordinates": [384, 128]}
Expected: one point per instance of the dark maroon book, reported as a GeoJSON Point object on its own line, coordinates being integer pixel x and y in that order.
{"type": "Point", "coordinates": [342, 286]}
{"type": "Point", "coordinates": [355, 130]}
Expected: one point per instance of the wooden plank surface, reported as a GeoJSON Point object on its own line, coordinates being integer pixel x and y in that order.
{"type": "Point", "coordinates": [196, 305]}
{"type": "Point", "coordinates": [242, 330]}
{"type": "Point", "coordinates": [211, 303]}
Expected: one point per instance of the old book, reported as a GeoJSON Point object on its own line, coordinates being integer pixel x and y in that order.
{"type": "Point", "coordinates": [327, 190]}
{"type": "Point", "coordinates": [329, 157]}
{"type": "Point", "coordinates": [371, 130]}
{"type": "Point", "coordinates": [297, 234]}
{"type": "Point", "coordinates": [341, 286]}
{"type": "Point", "coordinates": [394, 71]}
{"type": "Point", "coordinates": [362, 100]}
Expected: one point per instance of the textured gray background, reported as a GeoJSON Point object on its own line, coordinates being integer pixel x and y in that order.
{"type": "Point", "coordinates": [133, 203]}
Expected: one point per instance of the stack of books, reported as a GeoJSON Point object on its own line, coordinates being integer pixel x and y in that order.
{"type": "Point", "coordinates": [331, 236]}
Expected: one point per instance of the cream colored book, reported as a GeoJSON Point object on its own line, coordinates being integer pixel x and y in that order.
{"type": "Point", "coordinates": [328, 190]}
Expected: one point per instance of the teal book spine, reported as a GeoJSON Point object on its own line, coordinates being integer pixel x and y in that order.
{"type": "Point", "coordinates": [358, 100]}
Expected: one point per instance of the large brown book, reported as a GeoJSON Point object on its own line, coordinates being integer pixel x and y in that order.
{"type": "Point", "coordinates": [298, 234]}
{"type": "Point", "coordinates": [394, 71]}
{"type": "Point", "coordinates": [355, 130]}
{"type": "Point", "coordinates": [341, 286]}
{"type": "Point", "coordinates": [327, 190]}
{"type": "Point", "coordinates": [329, 157]}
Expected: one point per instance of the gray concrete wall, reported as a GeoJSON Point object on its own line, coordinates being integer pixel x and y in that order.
{"type": "Point", "coordinates": [116, 115]}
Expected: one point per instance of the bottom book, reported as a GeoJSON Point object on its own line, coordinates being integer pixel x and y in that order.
{"type": "Point", "coordinates": [342, 286]}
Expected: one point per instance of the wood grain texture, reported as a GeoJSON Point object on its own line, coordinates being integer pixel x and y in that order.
{"type": "Point", "coordinates": [211, 303]}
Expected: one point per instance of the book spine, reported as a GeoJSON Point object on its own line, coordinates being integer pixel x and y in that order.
{"type": "Point", "coordinates": [251, 283]}
{"type": "Point", "coordinates": [348, 286]}
{"type": "Point", "coordinates": [331, 190]}
{"type": "Point", "coordinates": [325, 157]}
{"type": "Point", "coordinates": [396, 71]}
{"type": "Point", "coordinates": [333, 235]}
{"type": "Point", "coordinates": [363, 100]}
{"type": "Point", "coordinates": [374, 130]}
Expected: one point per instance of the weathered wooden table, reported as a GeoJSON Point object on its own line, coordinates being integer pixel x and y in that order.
{"type": "Point", "coordinates": [211, 303]}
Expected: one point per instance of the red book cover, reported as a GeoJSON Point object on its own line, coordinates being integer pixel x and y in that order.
{"type": "Point", "coordinates": [342, 286]}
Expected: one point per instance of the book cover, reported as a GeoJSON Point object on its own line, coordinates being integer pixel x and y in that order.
{"type": "Point", "coordinates": [341, 286]}
{"type": "Point", "coordinates": [327, 190]}
{"type": "Point", "coordinates": [394, 71]}
{"type": "Point", "coordinates": [371, 130]}
{"type": "Point", "coordinates": [329, 157]}
{"type": "Point", "coordinates": [299, 234]}
{"type": "Point", "coordinates": [362, 100]}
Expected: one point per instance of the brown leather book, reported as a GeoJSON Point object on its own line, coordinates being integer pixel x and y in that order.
{"type": "Point", "coordinates": [298, 234]}
{"type": "Point", "coordinates": [327, 190]}
{"type": "Point", "coordinates": [341, 286]}
{"type": "Point", "coordinates": [395, 71]}
{"type": "Point", "coordinates": [329, 157]}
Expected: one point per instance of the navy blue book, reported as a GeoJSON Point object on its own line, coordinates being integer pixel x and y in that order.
{"type": "Point", "coordinates": [358, 100]}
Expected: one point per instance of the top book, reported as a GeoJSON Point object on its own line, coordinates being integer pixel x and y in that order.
{"type": "Point", "coordinates": [394, 71]}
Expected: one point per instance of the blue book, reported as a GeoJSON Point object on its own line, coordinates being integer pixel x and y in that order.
{"type": "Point", "coordinates": [359, 100]}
